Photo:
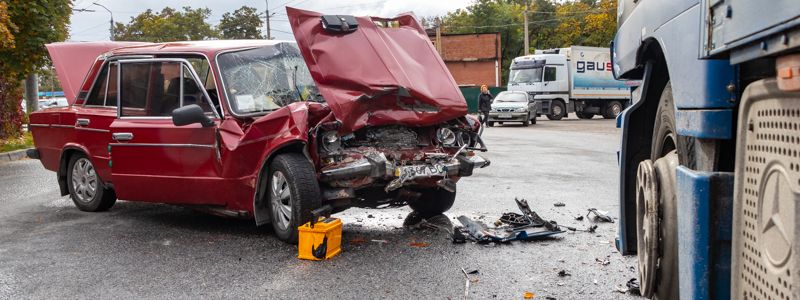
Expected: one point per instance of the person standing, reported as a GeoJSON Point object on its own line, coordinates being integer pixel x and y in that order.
{"type": "Point", "coordinates": [485, 103]}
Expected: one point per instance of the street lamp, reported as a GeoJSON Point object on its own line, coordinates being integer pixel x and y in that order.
{"type": "Point", "coordinates": [111, 28]}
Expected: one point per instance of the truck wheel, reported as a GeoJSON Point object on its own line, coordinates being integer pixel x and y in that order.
{"type": "Point", "coordinates": [432, 202]}
{"type": "Point", "coordinates": [490, 123]}
{"type": "Point", "coordinates": [86, 188]}
{"type": "Point", "coordinates": [613, 109]}
{"type": "Point", "coordinates": [293, 193]}
{"type": "Point", "coordinates": [527, 121]}
{"type": "Point", "coordinates": [657, 231]}
{"type": "Point", "coordinates": [585, 116]}
{"type": "Point", "coordinates": [556, 110]}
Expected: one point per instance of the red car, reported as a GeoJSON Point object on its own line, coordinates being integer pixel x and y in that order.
{"type": "Point", "coordinates": [359, 112]}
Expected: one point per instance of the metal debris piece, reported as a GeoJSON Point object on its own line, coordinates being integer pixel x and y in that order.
{"type": "Point", "coordinates": [579, 218]}
{"type": "Point", "coordinates": [591, 229]}
{"type": "Point", "coordinates": [466, 284]}
{"type": "Point", "coordinates": [514, 219]}
{"type": "Point", "coordinates": [563, 273]}
{"type": "Point", "coordinates": [603, 262]}
{"type": "Point", "coordinates": [380, 241]}
{"type": "Point", "coordinates": [559, 204]}
{"type": "Point", "coordinates": [600, 215]}
{"type": "Point", "coordinates": [633, 286]}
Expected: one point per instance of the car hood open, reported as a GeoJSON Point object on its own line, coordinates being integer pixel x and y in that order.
{"type": "Point", "coordinates": [73, 60]}
{"type": "Point", "coordinates": [378, 75]}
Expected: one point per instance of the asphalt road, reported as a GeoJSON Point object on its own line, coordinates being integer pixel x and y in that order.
{"type": "Point", "coordinates": [49, 249]}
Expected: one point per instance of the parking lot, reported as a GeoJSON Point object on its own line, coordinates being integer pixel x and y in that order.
{"type": "Point", "coordinates": [49, 249]}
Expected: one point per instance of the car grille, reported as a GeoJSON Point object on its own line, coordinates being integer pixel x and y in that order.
{"type": "Point", "coordinates": [765, 227]}
{"type": "Point", "coordinates": [506, 109]}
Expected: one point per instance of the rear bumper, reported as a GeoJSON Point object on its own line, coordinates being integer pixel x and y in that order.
{"type": "Point", "coordinates": [33, 153]}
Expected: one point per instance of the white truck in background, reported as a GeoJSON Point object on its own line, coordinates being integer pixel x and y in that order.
{"type": "Point", "coordinates": [575, 79]}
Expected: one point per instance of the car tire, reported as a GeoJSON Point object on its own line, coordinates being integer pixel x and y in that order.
{"type": "Point", "coordinates": [585, 116]}
{"type": "Point", "coordinates": [432, 202]}
{"type": "Point", "coordinates": [85, 187]}
{"type": "Point", "coordinates": [557, 110]}
{"type": "Point", "coordinates": [665, 140]}
{"type": "Point", "coordinates": [527, 121]}
{"type": "Point", "coordinates": [613, 109]}
{"type": "Point", "coordinates": [293, 193]}
{"type": "Point", "coordinates": [490, 123]}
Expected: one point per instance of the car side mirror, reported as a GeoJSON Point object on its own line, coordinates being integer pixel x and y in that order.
{"type": "Point", "coordinates": [191, 114]}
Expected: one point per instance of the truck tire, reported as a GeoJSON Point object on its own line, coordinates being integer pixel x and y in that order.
{"type": "Point", "coordinates": [490, 123]}
{"type": "Point", "coordinates": [293, 193]}
{"type": "Point", "coordinates": [585, 116]}
{"type": "Point", "coordinates": [557, 110]}
{"type": "Point", "coordinates": [86, 188]}
{"type": "Point", "coordinates": [432, 202]}
{"type": "Point", "coordinates": [613, 109]}
{"type": "Point", "coordinates": [665, 141]}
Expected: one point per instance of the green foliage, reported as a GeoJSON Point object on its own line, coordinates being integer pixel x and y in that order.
{"type": "Point", "coordinates": [244, 23]}
{"type": "Point", "coordinates": [169, 25]}
{"type": "Point", "coordinates": [551, 24]}
{"type": "Point", "coordinates": [15, 143]}
{"type": "Point", "coordinates": [30, 24]}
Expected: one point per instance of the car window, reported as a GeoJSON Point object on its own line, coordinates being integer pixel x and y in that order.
{"type": "Point", "coordinates": [549, 74]}
{"type": "Point", "coordinates": [153, 89]}
{"type": "Point", "coordinates": [104, 92]}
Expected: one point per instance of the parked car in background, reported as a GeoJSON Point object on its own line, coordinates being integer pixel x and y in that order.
{"type": "Point", "coordinates": [263, 129]}
{"type": "Point", "coordinates": [53, 102]}
{"type": "Point", "coordinates": [513, 106]}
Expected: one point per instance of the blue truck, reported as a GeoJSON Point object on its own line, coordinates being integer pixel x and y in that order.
{"type": "Point", "coordinates": [710, 154]}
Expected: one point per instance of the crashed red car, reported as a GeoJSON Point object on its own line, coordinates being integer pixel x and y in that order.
{"type": "Point", "coordinates": [359, 112]}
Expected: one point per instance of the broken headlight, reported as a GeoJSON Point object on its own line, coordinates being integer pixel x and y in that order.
{"type": "Point", "coordinates": [445, 136]}
{"type": "Point", "coordinates": [331, 142]}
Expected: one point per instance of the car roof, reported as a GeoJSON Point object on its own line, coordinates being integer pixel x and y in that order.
{"type": "Point", "coordinates": [209, 47]}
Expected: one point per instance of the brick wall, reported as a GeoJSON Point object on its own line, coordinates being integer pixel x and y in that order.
{"type": "Point", "coordinates": [471, 57]}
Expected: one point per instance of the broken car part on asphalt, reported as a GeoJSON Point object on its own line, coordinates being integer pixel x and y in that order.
{"type": "Point", "coordinates": [528, 226]}
{"type": "Point", "coordinates": [600, 215]}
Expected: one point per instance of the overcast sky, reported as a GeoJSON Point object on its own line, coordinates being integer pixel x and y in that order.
{"type": "Point", "coordinates": [94, 26]}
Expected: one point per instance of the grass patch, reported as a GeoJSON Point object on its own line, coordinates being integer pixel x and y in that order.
{"type": "Point", "coordinates": [23, 142]}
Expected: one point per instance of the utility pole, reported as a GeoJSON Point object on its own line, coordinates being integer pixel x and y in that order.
{"type": "Point", "coordinates": [32, 92]}
{"type": "Point", "coordinates": [111, 26]}
{"type": "Point", "coordinates": [527, 39]}
{"type": "Point", "coordinates": [266, 17]}
{"type": "Point", "coordinates": [438, 35]}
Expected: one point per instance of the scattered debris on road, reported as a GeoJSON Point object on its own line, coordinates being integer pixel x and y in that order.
{"type": "Point", "coordinates": [579, 218]}
{"type": "Point", "coordinates": [603, 262]}
{"type": "Point", "coordinates": [632, 286]}
{"type": "Point", "coordinates": [419, 244]}
{"type": "Point", "coordinates": [559, 204]}
{"type": "Point", "coordinates": [563, 273]}
{"type": "Point", "coordinates": [600, 215]}
{"type": "Point", "coordinates": [468, 281]}
{"type": "Point", "coordinates": [526, 226]}
{"type": "Point", "coordinates": [357, 241]}
{"type": "Point", "coordinates": [528, 295]}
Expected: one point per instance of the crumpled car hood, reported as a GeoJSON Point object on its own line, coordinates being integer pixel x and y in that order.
{"type": "Point", "coordinates": [73, 60]}
{"type": "Point", "coordinates": [378, 76]}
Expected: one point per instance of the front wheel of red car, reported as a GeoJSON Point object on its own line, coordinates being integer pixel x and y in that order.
{"type": "Point", "coordinates": [86, 188]}
{"type": "Point", "coordinates": [293, 193]}
{"type": "Point", "coordinates": [432, 202]}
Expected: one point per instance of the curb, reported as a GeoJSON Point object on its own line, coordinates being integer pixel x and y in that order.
{"type": "Point", "coordinates": [14, 155]}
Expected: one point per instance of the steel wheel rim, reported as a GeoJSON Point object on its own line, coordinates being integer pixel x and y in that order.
{"type": "Point", "coordinates": [281, 199]}
{"type": "Point", "coordinates": [616, 109]}
{"type": "Point", "coordinates": [84, 180]}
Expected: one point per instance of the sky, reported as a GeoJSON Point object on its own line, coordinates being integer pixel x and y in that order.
{"type": "Point", "coordinates": [94, 26]}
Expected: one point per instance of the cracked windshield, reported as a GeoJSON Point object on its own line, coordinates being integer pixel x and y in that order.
{"type": "Point", "coordinates": [265, 79]}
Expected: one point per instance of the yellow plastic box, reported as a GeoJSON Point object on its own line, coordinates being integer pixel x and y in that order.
{"type": "Point", "coordinates": [323, 240]}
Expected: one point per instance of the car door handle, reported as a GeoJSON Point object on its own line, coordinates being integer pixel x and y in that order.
{"type": "Point", "coordinates": [82, 122]}
{"type": "Point", "coordinates": [122, 136]}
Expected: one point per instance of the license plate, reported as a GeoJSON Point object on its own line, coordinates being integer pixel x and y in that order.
{"type": "Point", "coordinates": [428, 170]}
{"type": "Point", "coordinates": [505, 116]}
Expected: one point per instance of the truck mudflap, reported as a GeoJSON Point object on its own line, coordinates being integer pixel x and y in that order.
{"type": "Point", "coordinates": [376, 166]}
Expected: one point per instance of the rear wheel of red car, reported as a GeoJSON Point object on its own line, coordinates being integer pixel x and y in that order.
{"type": "Point", "coordinates": [86, 188]}
{"type": "Point", "coordinates": [293, 193]}
{"type": "Point", "coordinates": [432, 202]}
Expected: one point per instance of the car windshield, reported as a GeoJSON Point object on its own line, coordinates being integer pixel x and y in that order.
{"type": "Point", "coordinates": [525, 75]}
{"type": "Point", "coordinates": [266, 78]}
{"type": "Point", "coordinates": [511, 97]}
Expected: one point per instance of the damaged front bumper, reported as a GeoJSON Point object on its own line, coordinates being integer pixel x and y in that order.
{"type": "Point", "coordinates": [376, 167]}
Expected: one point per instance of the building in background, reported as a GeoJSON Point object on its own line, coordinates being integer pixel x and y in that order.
{"type": "Point", "coordinates": [473, 59]}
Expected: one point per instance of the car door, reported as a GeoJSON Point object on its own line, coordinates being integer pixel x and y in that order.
{"type": "Point", "coordinates": [151, 159]}
{"type": "Point", "coordinates": [95, 116]}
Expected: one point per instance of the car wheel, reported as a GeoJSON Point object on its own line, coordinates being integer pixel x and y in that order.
{"type": "Point", "coordinates": [86, 188]}
{"type": "Point", "coordinates": [585, 116]}
{"type": "Point", "coordinates": [490, 123]}
{"type": "Point", "coordinates": [656, 218]}
{"type": "Point", "coordinates": [613, 109]}
{"type": "Point", "coordinates": [432, 202]}
{"type": "Point", "coordinates": [556, 110]}
{"type": "Point", "coordinates": [293, 192]}
{"type": "Point", "coordinates": [527, 121]}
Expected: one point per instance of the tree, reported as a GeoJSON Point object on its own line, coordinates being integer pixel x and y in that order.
{"type": "Point", "coordinates": [25, 26]}
{"type": "Point", "coordinates": [244, 23]}
{"type": "Point", "coordinates": [169, 25]}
